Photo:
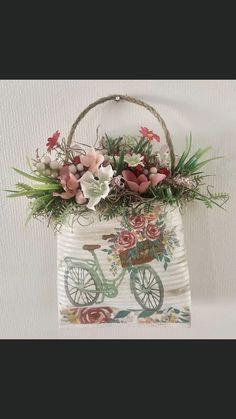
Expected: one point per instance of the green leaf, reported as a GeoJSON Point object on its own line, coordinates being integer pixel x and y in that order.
{"type": "Point", "coordinates": [198, 166]}
{"type": "Point", "coordinates": [35, 178]}
{"type": "Point", "coordinates": [120, 163]}
{"type": "Point", "coordinates": [29, 163]}
{"type": "Point", "coordinates": [196, 156]}
{"type": "Point", "coordinates": [184, 155]}
{"type": "Point", "coordinates": [47, 187]}
{"type": "Point", "coordinates": [146, 313]}
{"type": "Point", "coordinates": [121, 314]}
{"type": "Point", "coordinates": [22, 193]}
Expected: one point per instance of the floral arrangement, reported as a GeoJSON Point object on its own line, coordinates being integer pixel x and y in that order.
{"type": "Point", "coordinates": [113, 175]}
{"type": "Point", "coordinates": [141, 239]}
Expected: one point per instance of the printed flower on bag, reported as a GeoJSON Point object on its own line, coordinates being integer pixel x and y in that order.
{"type": "Point", "coordinates": [140, 241]}
{"type": "Point", "coordinates": [95, 315]}
{"type": "Point", "coordinates": [152, 232]}
{"type": "Point", "coordinates": [126, 239]}
{"type": "Point", "coordinates": [137, 221]}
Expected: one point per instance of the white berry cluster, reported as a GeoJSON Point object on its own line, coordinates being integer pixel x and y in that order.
{"type": "Point", "coordinates": [48, 167]}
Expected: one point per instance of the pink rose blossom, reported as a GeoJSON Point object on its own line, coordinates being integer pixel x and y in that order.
{"type": "Point", "coordinates": [137, 221]}
{"type": "Point", "coordinates": [152, 232]}
{"type": "Point", "coordinates": [126, 239]}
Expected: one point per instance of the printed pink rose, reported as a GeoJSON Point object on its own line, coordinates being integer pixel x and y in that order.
{"type": "Point", "coordinates": [95, 315]}
{"type": "Point", "coordinates": [137, 221]}
{"type": "Point", "coordinates": [126, 239]}
{"type": "Point", "coordinates": [152, 232]}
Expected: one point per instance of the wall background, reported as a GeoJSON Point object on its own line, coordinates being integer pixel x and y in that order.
{"type": "Point", "coordinates": [31, 110]}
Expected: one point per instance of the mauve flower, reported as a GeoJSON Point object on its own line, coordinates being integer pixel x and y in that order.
{"type": "Point", "coordinates": [157, 179]}
{"type": "Point", "coordinates": [137, 221]}
{"type": "Point", "coordinates": [95, 315]}
{"type": "Point", "coordinates": [152, 232]}
{"type": "Point", "coordinates": [126, 240]}
{"type": "Point", "coordinates": [164, 171]}
{"type": "Point", "coordinates": [80, 198]}
{"type": "Point", "coordinates": [92, 160]}
{"type": "Point", "coordinates": [136, 184]}
{"type": "Point", "coordinates": [71, 186]}
{"type": "Point", "coordinates": [76, 160]}
{"type": "Point", "coordinates": [149, 135]}
{"type": "Point", "coordinates": [51, 142]}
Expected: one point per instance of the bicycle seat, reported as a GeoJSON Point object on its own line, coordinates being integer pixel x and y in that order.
{"type": "Point", "coordinates": [90, 247]}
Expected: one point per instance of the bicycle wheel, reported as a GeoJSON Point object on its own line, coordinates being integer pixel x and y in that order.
{"type": "Point", "coordinates": [81, 285]}
{"type": "Point", "coordinates": [147, 288]}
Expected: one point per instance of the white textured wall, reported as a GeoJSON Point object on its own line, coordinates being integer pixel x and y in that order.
{"type": "Point", "coordinates": [31, 110]}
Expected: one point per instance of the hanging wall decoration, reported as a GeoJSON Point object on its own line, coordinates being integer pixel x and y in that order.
{"type": "Point", "coordinates": [117, 209]}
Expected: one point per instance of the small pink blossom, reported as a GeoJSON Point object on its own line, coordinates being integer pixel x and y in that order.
{"type": "Point", "coordinates": [52, 141]}
{"type": "Point", "coordinates": [92, 160]}
{"type": "Point", "coordinates": [149, 135]}
{"type": "Point", "coordinates": [136, 184]}
{"type": "Point", "coordinates": [79, 197]}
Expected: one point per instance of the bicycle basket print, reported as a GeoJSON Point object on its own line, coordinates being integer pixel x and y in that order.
{"type": "Point", "coordinates": [132, 269]}
{"type": "Point", "coordinates": [116, 205]}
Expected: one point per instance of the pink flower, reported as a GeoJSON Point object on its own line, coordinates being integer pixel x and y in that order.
{"type": "Point", "coordinates": [126, 239]}
{"type": "Point", "coordinates": [79, 197]}
{"type": "Point", "coordinates": [92, 160]}
{"type": "Point", "coordinates": [51, 142]}
{"type": "Point", "coordinates": [69, 183]}
{"type": "Point", "coordinates": [149, 135]}
{"type": "Point", "coordinates": [137, 221]}
{"type": "Point", "coordinates": [152, 232]}
{"type": "Point", "coordinates": [136, 184]}
{"type": "Point", "coordinates": [76, 160]}
{"type": "Point", "coordinates": [157, 178]}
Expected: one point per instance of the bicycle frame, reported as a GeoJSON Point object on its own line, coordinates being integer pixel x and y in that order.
{"type": "Point", "coordinates": [95, 265]}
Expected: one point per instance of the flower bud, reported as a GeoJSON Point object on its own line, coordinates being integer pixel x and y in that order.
{"type": "Point", "coordinates": [40, 167]}
{"type": "Point", "coordinates": [54, 165]}
{"type": "Point", "coordinates": [46, 160]}
{"type": "Point", "coordinates": [72, 169]}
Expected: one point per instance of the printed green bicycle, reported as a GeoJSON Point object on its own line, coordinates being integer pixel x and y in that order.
{"type": "Point", "coordinates": [85, 283]}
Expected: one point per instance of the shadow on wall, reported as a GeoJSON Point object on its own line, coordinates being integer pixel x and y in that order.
{"type": "Point", "coordinates": [197, 235]}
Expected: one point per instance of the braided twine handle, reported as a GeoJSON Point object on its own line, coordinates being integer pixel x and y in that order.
{"type": "Point", "coordinates": [130, 99]}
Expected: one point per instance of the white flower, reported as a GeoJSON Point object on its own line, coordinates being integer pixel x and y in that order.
{"type": "Point", "coordinates": [96, 188]}
{"type": "Point", "coordinates": [134, 160]}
